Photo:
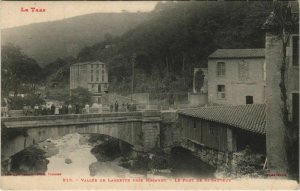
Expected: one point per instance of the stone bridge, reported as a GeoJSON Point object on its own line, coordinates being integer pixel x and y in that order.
{"type": "Point", "coordinates": [140, 129]}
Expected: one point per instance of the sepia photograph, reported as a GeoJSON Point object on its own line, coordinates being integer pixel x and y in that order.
{"type": "Point", "coordinates": [149, 95]}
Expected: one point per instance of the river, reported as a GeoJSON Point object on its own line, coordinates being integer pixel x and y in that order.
{"type": "Point", "coordinates": [76, 149]}
{"type": "Point", "coordinates": [71, 155]}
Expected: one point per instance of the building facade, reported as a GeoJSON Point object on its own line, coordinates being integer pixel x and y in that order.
{"type": "Point", "coordinates": [276, 128]}
{"type": "Point", "coordinates": [236, 76]}
{"type": "Point", "coordinates": [90, 75]}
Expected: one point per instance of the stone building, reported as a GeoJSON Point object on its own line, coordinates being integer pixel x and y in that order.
{"type": "Point", "coordinates": [275, 125]}
{"type": "Point", "coordinates": [90, 75]}
{"type": "Point", "coordinates": [236, 76]}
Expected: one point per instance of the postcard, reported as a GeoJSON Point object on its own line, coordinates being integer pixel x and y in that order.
{"type": "Point", "coordinates": [153, 95]}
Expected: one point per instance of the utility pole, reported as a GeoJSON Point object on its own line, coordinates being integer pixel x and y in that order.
{"type": "Point", "coordinates": [132, 77]}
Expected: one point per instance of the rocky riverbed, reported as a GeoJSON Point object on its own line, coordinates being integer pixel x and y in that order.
{"type": "Point", "coordinates": [85, 155]}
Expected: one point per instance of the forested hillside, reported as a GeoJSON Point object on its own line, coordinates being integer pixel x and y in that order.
{"type": "Point", "coordinates": [47, 41]}
{"type": "Point", "coordinates": [178, 37]}
{"type": "Point", "coordinates": [168, 44]}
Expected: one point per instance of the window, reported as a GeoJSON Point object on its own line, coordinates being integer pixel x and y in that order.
{"type": "Point", "coordinates": [265, 71]}
{"type": "Point", "coordinates": [92, 66]}
{"type": "Point", "coordinates": [249, 99]}
{"type": "Point", "coordinates": [295, 109]}
{"type": "Point", "coordinates": [102, 71]}
{"type": "Point", "coordinates": [97, 66]}
{"type": "Point", "coordinates": [221, 69]}
{"type": "Point", "coordinates": [221, 92]}
{"type": "Point", "coordinates": [102, 78]}
{"type": "Point", "coordinates": [295, 50]}
{"type": "Point", "coordinates": [92, 78]}
{"type": "Point", "coordinates": [243, 71]}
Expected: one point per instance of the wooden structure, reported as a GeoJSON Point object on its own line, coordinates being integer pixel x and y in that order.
{"type": "Point", "coordinates": [225, 128]}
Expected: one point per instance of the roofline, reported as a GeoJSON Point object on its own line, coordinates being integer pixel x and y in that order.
{"type": "Point", "coordinates": [248, 57]}
{"type": "Point", "coordinates": [89, 62]}
{"type": "Point", "coordinates": [181, 112]}
{"type": "Point", "coordinates": [216, 121]}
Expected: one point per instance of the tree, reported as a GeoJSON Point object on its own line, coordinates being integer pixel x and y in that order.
{"type": "Point", "coordinates": [29, 100]}
{"type": "Point", "coordinates": [177, 37]}
{"type": "Point", "coordinates": [80, 96]}
{"type": "Point", "coordinates": [199, 80]}
{"type": "Point", "coordinates": [17, 69]}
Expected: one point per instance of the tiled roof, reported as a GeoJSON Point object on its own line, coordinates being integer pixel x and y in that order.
{"type": "Point", "coordinates": [90, 62]}
{"type": "Point", "coordinates": [238, 53]}
{"type": "Point", "coordinates": [249, 117]}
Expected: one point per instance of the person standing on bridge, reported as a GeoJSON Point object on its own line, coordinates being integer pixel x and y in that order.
{"type": "Point", "coordinates": [69, 109]}
{"type": "Point", "coordinates": [52, 109]}
{"type": "Point", "coordinates": [87, 108]}
{"type": "Point", "coordinates": [116, 106]}
{"type": "Point", "coordinates": [56, 112]}
{"type": "Point", "coordinates": [76, 109]}
{"type": "Point", "coordinates": [36, 108]}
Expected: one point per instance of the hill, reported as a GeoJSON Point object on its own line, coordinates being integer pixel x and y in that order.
{"type": "Point", "coordinates": [47, 41]}
{"type": "Point", "coordinates": [177, 37]}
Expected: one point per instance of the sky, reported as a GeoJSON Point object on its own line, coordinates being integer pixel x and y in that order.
{"type": "Point", "coordinates": [12, 15]}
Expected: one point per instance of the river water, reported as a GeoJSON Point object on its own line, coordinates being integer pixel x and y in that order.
{"type": "Point", "coordinates": [75, 148]}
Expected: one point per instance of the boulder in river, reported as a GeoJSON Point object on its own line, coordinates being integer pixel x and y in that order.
{"type": "Point", "coordinates": [68, 161]}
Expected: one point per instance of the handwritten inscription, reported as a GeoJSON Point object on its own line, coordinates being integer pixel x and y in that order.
{"type": "Point", "coordinates": [33, 9]}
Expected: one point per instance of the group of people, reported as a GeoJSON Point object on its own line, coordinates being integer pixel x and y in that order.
{"type": "Point", "coordinates": [61, 109]}
{"type": "Point", "coordinates": [124, 108]}
{"type": "Point", "coordinates": [54, 109]}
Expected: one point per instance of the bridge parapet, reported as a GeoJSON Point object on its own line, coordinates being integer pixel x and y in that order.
{"type": "Point", "coordinates": [62, 120]}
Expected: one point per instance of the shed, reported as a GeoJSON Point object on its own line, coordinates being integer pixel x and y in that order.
{"type": "Point", "coordinates": [226, 128]}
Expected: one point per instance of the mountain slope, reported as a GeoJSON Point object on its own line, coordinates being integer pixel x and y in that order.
{"type": "Point", "coordinates": [49, 40]}
{"type": "Point", "coordinates": [176, 38]}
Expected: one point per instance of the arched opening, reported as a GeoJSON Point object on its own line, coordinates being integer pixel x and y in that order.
{"type": "Point", "coordinates": [65, 153]}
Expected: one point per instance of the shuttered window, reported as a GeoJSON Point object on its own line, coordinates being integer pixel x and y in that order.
{"type": "Point", "coordinates": [295, 50]}
{"type": "Point", "coordinates": [221, 69]}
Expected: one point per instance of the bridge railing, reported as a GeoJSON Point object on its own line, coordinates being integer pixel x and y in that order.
{"type": "Point", "coordinates": [71, 116]}
{"type": "Point", "coordinates": [85, 117]}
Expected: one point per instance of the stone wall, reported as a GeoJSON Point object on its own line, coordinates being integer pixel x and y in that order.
{"type": "Point", "coordinates": [197, 98]}
{"type": "Point", "coordinates": [170, 131]}
{"type": "Point", "coordinates": [151, 136]}
{"type": "Point", "coordinates": [274, 123]}
{"type": "Point", "coordinates": [210, 156]}
{"type": "Point", "coordinates": [237, 164]}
